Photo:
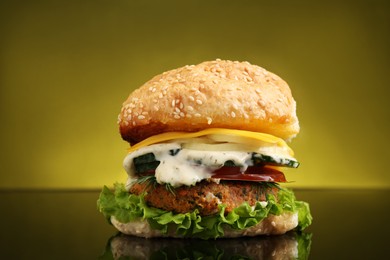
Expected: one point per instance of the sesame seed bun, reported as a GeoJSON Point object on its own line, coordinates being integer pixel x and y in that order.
{"type": "Point", "coordinates": [212, 94]}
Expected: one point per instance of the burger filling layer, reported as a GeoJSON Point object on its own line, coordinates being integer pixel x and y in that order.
{"type": "Point", "coordinates": [188, 161]}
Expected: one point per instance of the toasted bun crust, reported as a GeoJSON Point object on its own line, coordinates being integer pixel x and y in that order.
{"type": "Point", "coordinates": [272, 225]}
{"type": "Point", "coordinates": [220, 94]}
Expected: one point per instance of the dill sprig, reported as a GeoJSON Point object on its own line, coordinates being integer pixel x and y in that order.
{"type": "Point", "coordinates": [263, 188]}
{"type": "Point", "coordinates": [151, 180]}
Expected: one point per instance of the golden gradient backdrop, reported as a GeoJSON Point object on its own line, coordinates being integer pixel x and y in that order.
{"type": "Point", "coordinates": [66, 67]}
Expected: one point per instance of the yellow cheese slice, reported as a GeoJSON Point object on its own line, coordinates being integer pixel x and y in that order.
{"type": "Point", "coordinates": [160, 138]}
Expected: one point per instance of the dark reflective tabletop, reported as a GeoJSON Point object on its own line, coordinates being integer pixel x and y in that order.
{"type": "Point", "coordinates": [348, 224]}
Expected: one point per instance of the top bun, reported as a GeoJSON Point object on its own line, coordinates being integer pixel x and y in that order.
{"type": "Point", "coordinates": [212, 94]}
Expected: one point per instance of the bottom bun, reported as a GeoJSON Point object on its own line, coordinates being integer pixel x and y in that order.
{"type": "Point", "coordinates": [271, 225]}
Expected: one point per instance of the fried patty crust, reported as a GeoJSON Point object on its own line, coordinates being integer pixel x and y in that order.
{"type": "Point", "coordinates": [205, 196]}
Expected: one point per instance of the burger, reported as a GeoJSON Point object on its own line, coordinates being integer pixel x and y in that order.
{"type": "Point", "coordinates": [292, 245]}
{"type": "Point", "coordinates": [208, 145]}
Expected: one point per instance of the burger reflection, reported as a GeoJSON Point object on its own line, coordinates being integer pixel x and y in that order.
{"type": "Point", "coordinates": [292, 245]}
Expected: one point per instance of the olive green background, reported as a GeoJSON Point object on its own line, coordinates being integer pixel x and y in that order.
{"type": "Point", "coordinates": [66, 67]}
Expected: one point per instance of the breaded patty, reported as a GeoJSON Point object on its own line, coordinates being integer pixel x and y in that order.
{"type": "Point", "coordinates": [205, 196]}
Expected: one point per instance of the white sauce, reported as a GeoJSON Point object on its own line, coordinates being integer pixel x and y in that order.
{"type": "Point", "coordinates": [178, 170]}
{"type": "Point", "coordinates": [184, 168]}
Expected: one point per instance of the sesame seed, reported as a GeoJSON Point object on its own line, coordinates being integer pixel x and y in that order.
{"type": "Point", "coordinates": [154, 90]}
{"type": "Point", "coordinates": [144, 113]}
{"type": "Point", "coordinates": [248, 79]}
{"type": "Point", "coordinates": [126, 123]}
{"type": "Point", "coordinates": [140, 117]}
{"type": "Point", "coordinates": [280, 99]}
{"type": "Point", "coordinates": [181, 114]}
{"type": "Point", "coordinates": [194, 89]}
{"type": "Point", "coordinates": [209, 120]}
{"type": "Point", "coordinates": [181, 106]}
{"type": "Point", "coordinates": [258, 91]}
{"type": "Point", "coordinates": [156, 108]}
{"type": "Point", "coordinates": [173, 103]}
{"type": "Point", "coordinates": [233, 114]}
{"type": "Point", "coordinates": [155, 101]}
{"type": "Point", "coordinates": [164, 92]}
{"type": "Point", "coordinates": [257, 73]}
{"type": "Point", "coordinates": [190, 108]}
{"type": "Point", "coordinates": [195, 74]}
{"type": "Point", "coordinates": [177, 101]}
{"type": "Point", "coordinates": [235, 77]}
{"type": "Point", "coordinates": [176, 116]}
{"type": "Point", "coordinates": [191, 98]}
{"type": "Point", "coordinates": [197, 115]}
{"type": "Point", "coordinates": [235, 106]}
{"type": "Point", "coordinates": [177, 109]}
{"type": "Point", "coordinates": [215, 81]}
{"type": "Point", "coordinates": [160, 95]}
{"type": "Point", "coordinates": [218, 59]}
{"type": "Point", "coordinates": [199, 102]}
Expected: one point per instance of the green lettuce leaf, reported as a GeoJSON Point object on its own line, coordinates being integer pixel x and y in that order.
{"type": "Point", "coordinates": [126, 207]}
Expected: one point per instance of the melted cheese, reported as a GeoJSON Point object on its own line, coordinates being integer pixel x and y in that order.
{"type": "Point", "coordinates": [252, 136]}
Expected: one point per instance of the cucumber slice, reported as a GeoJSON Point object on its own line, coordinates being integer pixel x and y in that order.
{"type": "Point", "coordinates": [145, 167]}
{"type": "Point", "coordinates": [263, 159]}
{"type": "Point", "coordinates": [146, 158]}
